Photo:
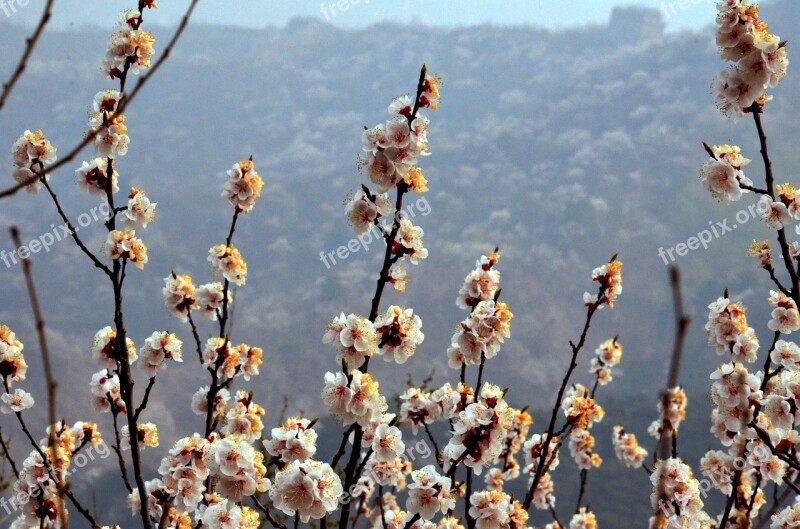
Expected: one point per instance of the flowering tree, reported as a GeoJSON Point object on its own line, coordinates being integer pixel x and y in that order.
{"type": "Point", "coordinates": [233, 475]}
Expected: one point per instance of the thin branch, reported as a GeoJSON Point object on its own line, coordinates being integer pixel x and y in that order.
{"type": "Point", "coordinates": [342, 446]}
{"type": "Point", "coordinates": [435, 445]}
{"type": "Point", "coordinates": [146, 397]}
{"type": "Point", "coordinates": [7, 454]}
{"type": "Point", "coordinates": [50, 382]}
{"type": "Point", "coordinates": [756, 110]}
{"type": "Point", "coordinates": [682, 321]}
{"type": "Point", "coordinates": [584, 479]}
{"type": "Point", "coordinates": [541, 467]}
{"type": "Point", "coordinates": [73, 231]}
{"type": "Point", "coordinates": [30, 44]}
{"type": "Point", "coordinates": [665, 448]}
{"type": "Point", "coordinates": [117, 447]}
{"type": "Point", "coordinates": [273, 522]}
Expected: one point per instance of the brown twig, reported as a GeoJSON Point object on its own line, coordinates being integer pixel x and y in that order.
{"type": "Point", "coordinates": [146, 397]}
{"type": "Point", "coordinates": [117, 447]}
{"type": "Point", "coordinates": [73, 231]}
{"type": "Point", "coordinates": [6, 454]}
{"type": "Point", "coordinates": [50, 382]}
{"type": "Point", "coordinates": [756, 110]}
{"type": "Point", "coordinates": [682, 321]}
{"type": "Point", "coordinates": [273, 522]}
{"type": "Point", "coordinates": [549, 433]}
{"type": "Point", "coordinates": [30, 44]}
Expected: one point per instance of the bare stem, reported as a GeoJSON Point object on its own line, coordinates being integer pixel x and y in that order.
{"type": "Point", "coordinates": [30, 44]}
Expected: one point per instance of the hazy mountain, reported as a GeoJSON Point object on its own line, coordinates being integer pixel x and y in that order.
{"type": "Point", "coordinates": [562, 147]}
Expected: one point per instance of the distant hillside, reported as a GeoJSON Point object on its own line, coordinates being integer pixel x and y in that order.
{"type": "Point", "coordinates": [561, 147]}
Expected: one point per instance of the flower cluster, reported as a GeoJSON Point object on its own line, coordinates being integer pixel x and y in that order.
{"type": "Point", "coordinates": [130, 48]}
{"type": "Point", "coordinates": [103, 349]}
{"type": "Point", "coordinates": [160, 346]}
{"type": "Point", "coordinates": [106, 394]}
{"type": "Point", "coordinates": [672, 412]}
{"type": "Point", "coordinates": [227, 263]}
{"type": "Point", "coordinates": [392, 149]}
{"type": "Point", "coordinates": [124, 245]}
{"type": "Point", "coordinates": [112, 138]}
{"type": "Point", "coordinates": [31, 152]}
{"type": "Point", "coordinates": [364, 210]}
{"type": "Point", "coordinates": [92, 177]}
{"type": "Point", "coordinates": [242, 186]}
{"type": "Point", "coordinates": [583, 519]}
{"type": "Point", "coordinates": [354, 397]}
{"type": "Point", "coordinates": [481, 335]}
{"type": "Point", "coordinates": [140, 210]}
{"type": "Point", "coordinates": [480, 430]}
{"type": "Point", "coordinates": [609, 276]}
{"type": "Point", "coordinates": [309, 489]}
{"type": "Point", "coordinates": [733, 390]}
{"type": "Point", "coordinates": [179, 295]}
{"type": "Point", "coordinates": [580, 408]}
{"type": "Point", "coordinates": [496, 510]}
{"type": "Point", "coordinates": [409, 242]}
{"type": "Point", "coordinates": [676, 495]}
{"type": "Point", "coordinates": [184, 470]}
{"type": "Point", "coordinates": [211, 298]}
{"type": "Point", "coordinates": [146, 435]}
{"type": "Point", "coordinates": [354, 337]}
{"type": "Point", "coordinates": [728, 331]}
{"type": "Point", "coordinates": [12, 362]}
{"type": "Point", "coordinates": [237, 468]}
{"type": "Point", "coordinates": [229, 361]}
{"type": "Point", "coordinates": [515, 438]}
{"type": "Point", "coordinates": [627, 448]}
{"type": "Point", "coordinates": [200, 401]}
{"type": "Point", "coordinates": [429, 493]}
{"type": "Point", "coordinates": [785, 316]}
{"type": "Point", "coordinates": [421, 407]}
{"type": "Point", "coordinates": [243, 419]}
{"type": "Point", "coordinates": [481, 283]}
{"type": "Point", "coordinates": [295, 440]}
{"type": "Point", "coordinates": [581, 448]}
{"type": "Point", "coordinates": [37, 494]}
{"type": "Point", "coordinates": [787, 518]}
{"type": "Point", "coordinates": [400, 333]}
{"type": "Point", "coordinates": [605, 358]}
{"type": "Point", "coordinates": [759, 57]}
{"type": "Point", "coordinates": [722, 174]}
{"type": "Point", "coordinates": [582, 412]}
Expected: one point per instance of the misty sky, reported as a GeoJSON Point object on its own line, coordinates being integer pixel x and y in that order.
{"type": "Point", "coordinates": [678, 14]}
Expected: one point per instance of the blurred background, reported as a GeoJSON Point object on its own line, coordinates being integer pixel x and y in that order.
{"type": "Point", "coordinates": [567, 132]}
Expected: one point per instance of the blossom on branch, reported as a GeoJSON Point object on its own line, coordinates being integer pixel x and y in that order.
{"type": "Point", "coordinates": [31, 152]}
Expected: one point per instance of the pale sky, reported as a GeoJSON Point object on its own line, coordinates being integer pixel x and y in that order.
{"type": "Point", "coordinates": [679, 14]}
